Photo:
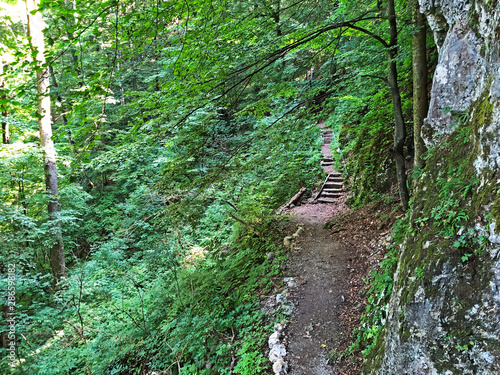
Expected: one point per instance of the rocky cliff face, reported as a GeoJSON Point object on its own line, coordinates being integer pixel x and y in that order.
{"type": "Point", "coordinates": [444, 313]}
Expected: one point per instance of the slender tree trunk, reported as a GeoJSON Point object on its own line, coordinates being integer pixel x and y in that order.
{"type": "Point", "coordinates": [276, 17]}
{"type": "Point", "coordinates": [5, 113]}
{"type": "Point", "coordinates": [400, 131]}
{"type": "Point", "coordinates": [420, 105]}
{"type": "Point", "coordinates": [35, 31]}
{"type": "Point", "coordinates": [59, 99]}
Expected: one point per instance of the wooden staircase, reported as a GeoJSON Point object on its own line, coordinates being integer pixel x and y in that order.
{"type": "Point", "coordinates": [326, 135]}
{"type": "Point", "coordinates": [332, 189]}
{"type": "Point", "coordinates": [333, 186]}
{"type": "Point", "coordinates": [327, 161]}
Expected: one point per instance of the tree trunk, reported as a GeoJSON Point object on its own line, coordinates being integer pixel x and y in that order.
{"type": "Point", "coordinates": [3, 96]}
{"type": "Point", "coordinates": [36, 25]}
{"type": "Point", "coordinates": [59, 99]}
{"type": "Point", "coordinates": [419, 60]}
{"type": "Point", "coordinates": [400, 131]}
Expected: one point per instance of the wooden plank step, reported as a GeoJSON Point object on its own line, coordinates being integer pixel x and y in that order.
{"type": "Point", "coordinates": [332, 190]}
{"type": "Point", "coordinates": [330, 196]}
{"type": "Point", "coordinates": [326, 163]}
{"type": "Point", "coordinates": [332, 184]}
{"type": "Point", "coordinates": [337, 188]}
{"type": "Point", "coordinates": [326, 200]}
{"type": "Point", "coordinates": [335, 179]}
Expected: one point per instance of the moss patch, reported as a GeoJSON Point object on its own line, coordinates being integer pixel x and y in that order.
{"type": "Point", "coordinates": [495, 212]}
{"type": "Point", "coordinates": [373, 360]}
{"type": "Point", "coordinates": [443, 252]}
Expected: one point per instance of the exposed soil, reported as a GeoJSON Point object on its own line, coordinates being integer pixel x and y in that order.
{"type": "Point", "coordinates": [320, 268]}
{"type": "Point", "coordinates": [329, 267]}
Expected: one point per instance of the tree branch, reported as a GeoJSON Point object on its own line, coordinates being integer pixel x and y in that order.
{"type": "Point", "coordinates": [369, 33]}
{"type": "Point", "coordinates": [386, 81]}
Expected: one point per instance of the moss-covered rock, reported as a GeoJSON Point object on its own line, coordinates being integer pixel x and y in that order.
{"type": "Point", "coordinates": [444, 313]}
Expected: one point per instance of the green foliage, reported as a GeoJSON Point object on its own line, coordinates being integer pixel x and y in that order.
{"type": "Point", "coordinates": [380, 283]}
{"type": "Point", "coordinates": [365, 140]}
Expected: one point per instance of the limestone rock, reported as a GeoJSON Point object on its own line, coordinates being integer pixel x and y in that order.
{"type": "Point", "coordinates": [277, 351]}
{"type": "Point", "coordinates": [280, 367]}
{"type": "Point", "coordinates": [447, 319]}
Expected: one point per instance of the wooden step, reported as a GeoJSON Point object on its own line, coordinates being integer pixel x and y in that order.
{"type": "Point", "coordinates": [326, 163]}
{"type": "Point", "coordinates": [326, 200]}
{"type": "Point", "coordinates": [336, 190]}
{"type": "Point", "coordinates": [332, 190]}
{"type": "Point", "coordinates": [335, 179]}
{"type": "Point", "coordinates": [332, 185]}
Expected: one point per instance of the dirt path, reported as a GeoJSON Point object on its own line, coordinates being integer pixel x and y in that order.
{"type": "Point", "coordinates": [329, 267]}
{"type": "Point", "coordinates": [320, 267]}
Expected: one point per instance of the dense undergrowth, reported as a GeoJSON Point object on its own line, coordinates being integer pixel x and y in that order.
{"type": "Point", "coordinates": [160, 279]}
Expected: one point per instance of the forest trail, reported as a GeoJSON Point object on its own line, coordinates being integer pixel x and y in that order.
{"type": "Point", "coordinates": [320, 267]}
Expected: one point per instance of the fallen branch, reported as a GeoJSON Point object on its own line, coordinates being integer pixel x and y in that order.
{"type": "Point", "coordinates": [294, 199]}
